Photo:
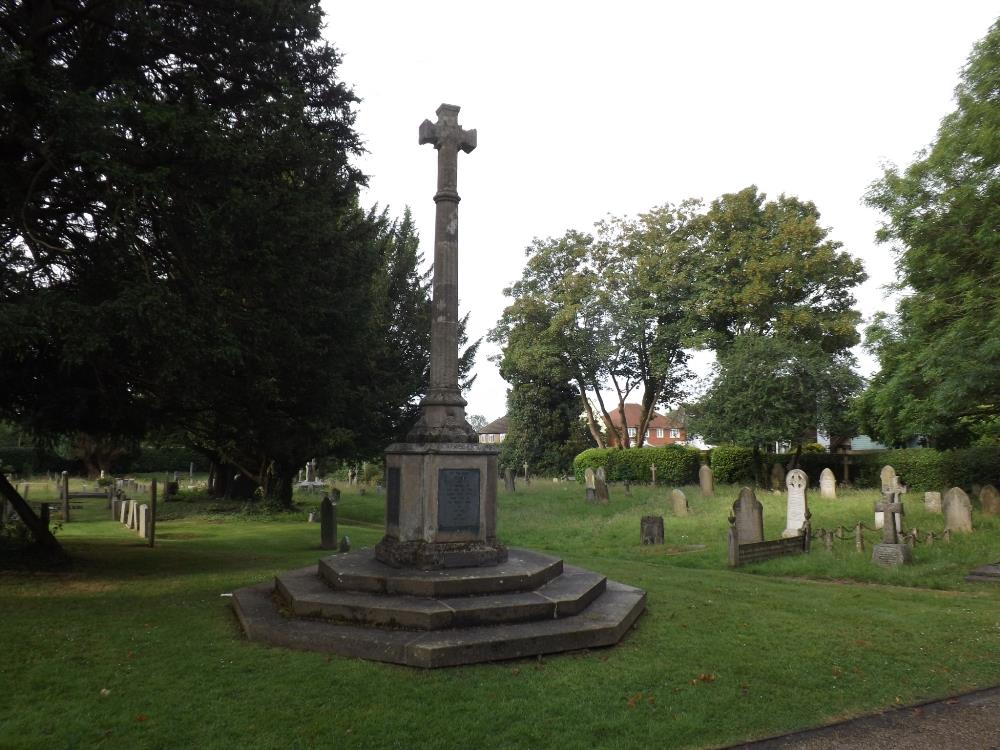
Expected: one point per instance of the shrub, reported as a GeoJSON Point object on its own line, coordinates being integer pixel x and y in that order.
{"type": "Point", "coordinates": [976, 465]}
{"type": "Point", "coordinates": [732, 464]}
{"type": "Point", "coordinates": [675, 464]}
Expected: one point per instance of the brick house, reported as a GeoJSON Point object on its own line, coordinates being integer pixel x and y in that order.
{"type": "Point", "coordinates": [662, 429]}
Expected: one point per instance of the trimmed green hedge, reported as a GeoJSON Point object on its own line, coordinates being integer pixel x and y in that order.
{"type": "Point", "coordinates": [731, 464]}
{"type": "Point", "coordinates": [675, 464]}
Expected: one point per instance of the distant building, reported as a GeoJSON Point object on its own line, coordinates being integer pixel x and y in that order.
{"type": "Point", "coordinates": [495, 431]}
{"type": "Point", "coordinates": [663, 429]}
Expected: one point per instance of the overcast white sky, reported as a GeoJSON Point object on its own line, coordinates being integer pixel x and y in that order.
{"type": "Point", "coordinates": [589, 108]}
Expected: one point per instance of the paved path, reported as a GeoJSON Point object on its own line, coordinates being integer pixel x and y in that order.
{"type": "Point", "coordinates": [965, 722]}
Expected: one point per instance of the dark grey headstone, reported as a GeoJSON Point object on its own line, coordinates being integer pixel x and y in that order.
{"type": "Point", "coordinates": [392, 496]}
{"type": "Point", "coordinates": [458, 500]}
{"type": "Point", "coordinates": [328, 524]}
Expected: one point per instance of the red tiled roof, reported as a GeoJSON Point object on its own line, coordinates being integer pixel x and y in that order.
{"type": "Point", "coordinates": [633, 412]}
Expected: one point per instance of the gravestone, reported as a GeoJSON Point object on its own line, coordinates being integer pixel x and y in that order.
{"type": "Point", "coordinates": [706, 480]}
{"type": "Point", "coordinates": [749, 515]}
{"type": "Point", "coordinates": [777, 476]}
{"type": "Point", "coordinates": [957, 511]}
{"type": "Point", "coordinates": [590, 480]}
{"type": "Point", "coordinates": [133, 520]}
{"type": "Point", "coordinates": [328, 523]}
{"type": "Point", "coordinates": [143, 522]}
{"type": "Point", "coordinates": [345, 543]}
{"type": "Point", "coordinates": [932, 502]}
{"type": "Point", "coordinates": [827, 485]}
{"type": "Point", "coordinates": [887, 478]}
{"type": "Point", "coordinates": [123, 511]}
{"type": "Point", "coordinates": [989, 500]}
{"type": "Point", "coordinates": [679, 501]}
{"type": "Point", "coordinates": [508, 480]}
{"type": "Point", "coordinates": [797, 484]}
{"type": "Point", "coordinates": [891, 551]}
{"type": "Point", "coordinates": [651, 530]}
{"type": "Point", "coordinates": [652, 469]}
{"type": "Point", "coordinates": [601, 486]}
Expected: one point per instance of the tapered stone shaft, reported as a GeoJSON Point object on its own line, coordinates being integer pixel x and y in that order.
{"type": "Point", "coordinates": [442, 416]}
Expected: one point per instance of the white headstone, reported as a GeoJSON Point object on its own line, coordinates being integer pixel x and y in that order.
{"type": "Point", "coordinates": [827, 485]}
{"type": "Point", "coordinates": [588, 478]}
{"type": "Point", "coordinates": [932, 502]}
{"type": "Point", "coordinates": [957, 510]}
{"type": "Point", "coordinates": [797, 484]}
{"type": "Point", "coordinates": [144, 521]}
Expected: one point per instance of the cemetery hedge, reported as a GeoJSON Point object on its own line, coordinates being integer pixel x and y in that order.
{"type": "Point", "coordinates": [675, 464]}
{"type": "Point", "coordinates": [921, 469]}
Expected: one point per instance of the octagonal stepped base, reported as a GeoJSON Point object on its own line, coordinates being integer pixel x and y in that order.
{"type": "Point", "coordinates": [532, 605]}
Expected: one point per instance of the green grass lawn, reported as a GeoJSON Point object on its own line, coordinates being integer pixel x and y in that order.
{"type": "Point", "coordinates": [135, 647]}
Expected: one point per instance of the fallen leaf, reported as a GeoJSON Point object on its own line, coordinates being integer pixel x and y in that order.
{"type": "Point", "coordinates": [837, 671]}
{"type": "Point", "coordinates": [141, 717]}
{"type": "Point", "coordinates": [105, 692]}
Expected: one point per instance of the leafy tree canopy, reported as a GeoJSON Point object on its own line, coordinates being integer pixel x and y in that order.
{"type": "Point", "coordinates": [938, 354]}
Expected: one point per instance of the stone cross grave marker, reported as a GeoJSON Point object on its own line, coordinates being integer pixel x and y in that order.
{"type": "Point", "coordinates": [706, 480]}
{"type": "Point", "coordinates": [887, 478]}
{"type": "Point", "coordinates": [932, 502]}
{"type": "Point", "coordinates": [957, 511]}
{"type": "Point", "coordinates": [590, 480]}
{"type": "Point", "coordinates": [601, 486]}
{"type": "Point", "coordinates": [680, 503]}
{"type": "Point", "coordinates": [797, 484]}
{"type": "Point", "coordinates": [989, 500]}
{"type": "Point", "coordinates": [890, 551]}
{"type": "Point", "coordinates": [749, 515]}
{"type": "Point", "coordinates": [652, 469]}
{"type": "Point", "coordinates": [827, 485]}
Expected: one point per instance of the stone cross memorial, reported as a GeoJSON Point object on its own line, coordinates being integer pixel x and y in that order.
{"type": "Point", "coordinates": [441, 482]}
{"type": "Point", "coordinates": [440, 589]}
{"type": "Point", "coordinates": [797, 483]}
{"type": "Point", "coordinates": [887, 479]}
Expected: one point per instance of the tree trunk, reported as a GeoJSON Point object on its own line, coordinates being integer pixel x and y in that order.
{"type": "Point", "coordinates": [595, 431]}
{"type": "Point", "coordinates": [758, 468]}
{"type": "Point", "coordinates": [278, 487]}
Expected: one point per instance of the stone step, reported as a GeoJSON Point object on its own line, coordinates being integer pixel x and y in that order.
{"type": "Point", "coordinates": [524, 570]}
{"type": "Point", "coordinates": [603, 623]}
{"type": "Point", "coordinates": [307, 595]}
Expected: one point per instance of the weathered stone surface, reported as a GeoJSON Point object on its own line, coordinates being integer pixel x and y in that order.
{"type": "Point", "coordinates": [989, 500]}
{"type": "Point", "coordinates": [827, 485]}
{"type": "Point", "coordinates": [986, 574]}
{"type": "Point", "coordinates": [932, 502]}
{"type": "Point", "coordinates": [679, 502]}
{"type": "Point", "coordinates": [749, 514]}
{"type": "Point", "coordinates": [308, 595]}
{"type": "Point", "coordinates": [603, 623]}
{"type": "Point", "coordinates": [706, 480]}
{"type": "Point", "coordinates": [651, 530]}
{"type": "Point", "coordinates": [508, 480]}
{"type": "Point", "coordinates": [360, 571]}
{"type": "Point", "coordinates": [142, 524]}
{"type": "Point", "coordinates": [957, 511]}
{"type": "Point", "coordinates": [601, 486]}
{"type": "Point", "coordinates": [892, 554]}
{"type": "Point", "coordinates": [797, 484]}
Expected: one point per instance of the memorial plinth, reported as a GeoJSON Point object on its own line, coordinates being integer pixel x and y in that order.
{"type": "Point", "coordinates": [440, 589]}
{"type": "Point", "coordinates": [440, 509]}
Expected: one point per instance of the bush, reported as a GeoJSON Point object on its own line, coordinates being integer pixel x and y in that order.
{"type": "Point", "coordinates": [732, 464]}
{"type": "Point", "coordinates": [675, 464]}
{"type": "Point", "coordinates": [977, 465]}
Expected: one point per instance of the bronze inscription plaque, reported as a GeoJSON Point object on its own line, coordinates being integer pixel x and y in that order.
{"type": "Point", "coordinates": [458, 500]}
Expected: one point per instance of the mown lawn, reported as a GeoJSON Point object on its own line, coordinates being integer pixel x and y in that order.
{"type": "Point", "coordinates": [137, 648]}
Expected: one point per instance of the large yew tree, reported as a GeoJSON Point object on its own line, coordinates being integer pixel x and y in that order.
{"type": "Point", "coordinates": [180, 244]}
